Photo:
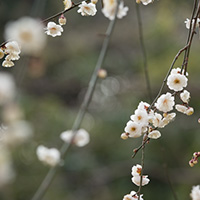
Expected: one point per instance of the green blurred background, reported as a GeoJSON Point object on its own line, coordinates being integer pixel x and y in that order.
{"type": "Point", "coordinates": [53, 85]}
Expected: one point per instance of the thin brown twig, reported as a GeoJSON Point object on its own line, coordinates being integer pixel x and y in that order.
{"type": "Point", "coordinates": [140, 147]}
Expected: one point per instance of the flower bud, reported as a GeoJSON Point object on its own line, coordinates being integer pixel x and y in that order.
{"type": "Point", "coordinates": [124, 136]}
{"type": "Point", "coordinates": [189, 111]}
{"type": "Point", "coordinates": [62, 20]}
{"type": "Point", "coordinates": [191, 163]}
{"type": "Point", "coordinates": [102, 73]}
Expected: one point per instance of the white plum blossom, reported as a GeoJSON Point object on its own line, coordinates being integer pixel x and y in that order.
{"type": "Point", "coordinates": [181, 108]}
{"type": "Point", "coordinates": [133, 196]}
{"type": "Point", "coordinates": [185, 96]}
{"type": "Point", "coordinates": [188, 21]}
{"type": "Point", "coordinates": [178, 71]}
{"type": "Point", "coordinates": [136, 180]}
{"type": "Point", "coordinates": [53, 29]}
{"type": "Point", "coordinates": [109, 9]}
{"type": "Point", "coordinates": [29, 33]}
{"type": "Point", "coordinates": [136, 170]}
{"type": "Point", "coordinates": [195, 193]}
{"type": "Point", "coordinates": [87, 9]}
{"type": "Point", "coordinates": [8, 63]}
{"type": "Point", "coordinates": [67, 4]}
{"type": "Point", "coordinates": [165, 102]}
{"type": "Point", "coordinates": [17, 133]}
{"type": "Point", "coordinates": [81, 137]}
{"type": "Point", "coordinates": [7, 88]}
{"type": "Point", "coordinates": [167, 119]}
{"type": "Point", "coordinates": [157, 120]}
{"type": "Point", "coordinates": [143, 105]}
{"type": "Point", "coordinates": [122, 10]}
{"type": "Point", "coordinates": [12, 48]}
{"type": "Point", "coordinates": [7, 173]}
{"type": "Point", "coordinates": [146, 2]}
{"type": "Point", "coordinates": [48, 156]}
{"type": "Point", "coordinates": [140, 117]}
{"type": "Point", "coordinates": [134, 129]}
{"type": "Point", "coordinates": [177, 82]}
{"type": "Point", "coordinates": [155, 134]}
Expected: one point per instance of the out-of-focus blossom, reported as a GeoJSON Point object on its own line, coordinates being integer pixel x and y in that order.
{"type": "Point", "coordinates": [109, 9]}
{"type": "Point", "coordinates": [80, 139]}
{"type": "Point", "coordinates": [6, 170]}
{"type": "Point", "coordinates": [29, 33]}
{"type": "Point", "coordinates": [87, 9]}
{"type": "Point", "coordinates": [17, 133]}
{"type": "Point", "coordinates": [1, 53]}
{"type": "Point", "coordinates": [188, 21]}
{"type": "Point", "coordinates": [48, 156]}
{"type": "Point", "coordinates": [53, 29]}
{"type": "Point", "coordinates": [195, 193]}
{"type": "Point", "coordinates": [144, 2]}
{"type": "Point", "coordinates": [7, 88]}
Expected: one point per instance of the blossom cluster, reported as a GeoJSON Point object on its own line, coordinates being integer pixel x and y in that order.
{"type": "Point", "coordinates": [188, 22]}
{"type": "Point", "coordinates": [52, 156]}
{"type": "Point", "coordinates": [146, 120]}
{"type": "Point", "coordinates": [12, 51]}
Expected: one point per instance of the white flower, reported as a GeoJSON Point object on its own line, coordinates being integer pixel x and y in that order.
{"type": "Point", "coordinates": [154, 134]}
{"type": "Point", "coordinates": [165, 102]}
{"type": "Point", "coordinates": [67, 4]}
{"type": "Point", "coordinates": [132, 196]}
{"type": "Point", "coordinates": [29, 33]}
{"type": "Point", "coordinates": [185, 96]}
{"type": "Point", "coordinates": [146, 2]}
{"type": "Point", "coordinates": [178, 71]}
{"type": "Point", "coordinates": [134, 129]}
{"type": "Point", "coordinates": [143, 105]}
{"type": "Point", "coordinates": [181, 108]}
{"type": "Point", "coordinates": [87, 9]}
{"type": "Point", "coordinates": [136, 170]}
{"type": "Point", "coordinates": [136, 180]}
{"type": "Point", "coordinates": [177, 82]}
{"type": "Point", "coordinates": [80, 139]}
{"type": "Point", "coordinates": [109, 9]}
{"type": "Point", "coordinates": [157, 120]}
{"type": "Point", "coordinates": [6, 170]}
{"type": "Point", "coordinates": [12, 56]}
{"type": "Point", "coordinates": [7, 88]}
{"type": "Point", "coordinates": [53, 29]}
{"type": "Point", "coordinates": [195, 193]}
{"type": "Point", "coordinates": [7, 63]}
{"type": "Point", "coordinates": [188, 21]}
{"type": "Point", "coordinates": [140, 117]}
{"type": "Point", "coordinates": [167, 119]}
{"type": "Point", "coordinates": [17, 132]}
{"type": "Point", "coordinates": [48, 156]}
{"type": "Point", "coordinates": [1, 53]}
{"type": "Point", "coordinates": [12, 48]}
{"type": "Point", "coordinates": [122, 11]}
